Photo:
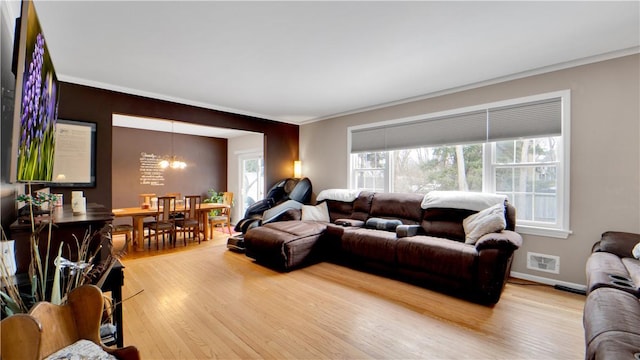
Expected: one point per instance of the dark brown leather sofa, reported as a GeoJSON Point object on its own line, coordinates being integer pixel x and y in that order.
{"type": "Point", "coordinates": [427, 248]}
{"type": "Point", "coordinates": [612, 310]}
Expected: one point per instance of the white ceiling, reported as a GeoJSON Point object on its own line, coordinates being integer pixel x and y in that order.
{"type": "Point", "coordinates": [300, 61]}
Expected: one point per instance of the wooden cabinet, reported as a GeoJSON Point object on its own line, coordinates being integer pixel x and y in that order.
{"type": "Point", "coordinates": [67, 227]}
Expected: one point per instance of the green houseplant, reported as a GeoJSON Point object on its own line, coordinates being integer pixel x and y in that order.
{"type": "Point", "coordinates": [214, 197]}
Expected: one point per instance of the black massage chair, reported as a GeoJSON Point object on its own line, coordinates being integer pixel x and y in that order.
{"type": "Point", "coordinates": [284, 195]}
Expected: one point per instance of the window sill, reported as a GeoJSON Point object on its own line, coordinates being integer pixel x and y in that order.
{"type": "Point", "coordinates": [532, 230]}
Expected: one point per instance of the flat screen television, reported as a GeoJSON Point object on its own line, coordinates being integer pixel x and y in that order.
{"type": "Point", "coordinates": [36, 103]}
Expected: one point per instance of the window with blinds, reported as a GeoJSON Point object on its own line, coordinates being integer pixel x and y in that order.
{"type": "Point", "coordinates": [522, 120]}
{"type": "Point", "coordinates": [517, 147]}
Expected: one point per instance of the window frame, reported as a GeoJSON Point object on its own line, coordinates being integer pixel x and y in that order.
{"type": "Point", "coordinates": [386, 170]}
{"type": "Point", "coordinates": [559, 229]}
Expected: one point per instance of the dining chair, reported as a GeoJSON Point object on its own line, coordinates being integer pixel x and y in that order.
{"type": "Point", "coordinates": [176, 195]}
{"type": "Point", "coordinates": [179, 202]}
{"type": "Point", "coordinates": [124, 229]}
{"type": "Point", "coordinates": [224, 217]}
{"type": "Point", "coordinates": [191, 218]}
{"type": "Point", "coordinates": [163, 223]}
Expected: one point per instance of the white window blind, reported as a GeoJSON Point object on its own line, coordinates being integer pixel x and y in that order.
{"type": "Point", "coordinates": [534, 119]}
{"type": "Point", "coordinates": [531, 119]}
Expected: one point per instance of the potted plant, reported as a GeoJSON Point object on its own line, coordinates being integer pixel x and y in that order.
{"type": "Point", "coordinates": [214, 197]}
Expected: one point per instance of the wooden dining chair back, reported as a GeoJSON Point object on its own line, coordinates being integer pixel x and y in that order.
{"type": "Point", "coordinates": [224, 217]}
{"type": "Point", "coordinates": [163, 222]}
{"type": "Point", "coordinates": [48, 328]}
{"type": "Point", "coordinates": [190, 222]}
{"type": "Point", "coordinates": [178, 197]}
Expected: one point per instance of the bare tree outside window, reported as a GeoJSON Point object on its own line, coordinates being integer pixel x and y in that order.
{"type": "Point", "coordinates": [421, 170]}
{"type": "Point", "coordinates": [524, 169]}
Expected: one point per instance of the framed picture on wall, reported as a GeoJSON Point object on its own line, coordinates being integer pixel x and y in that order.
{"type": "Point", "coordinates": [75, 154]}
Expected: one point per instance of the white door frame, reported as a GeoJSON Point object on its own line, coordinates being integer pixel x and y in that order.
{"type": "Point", "coordinates": [242, 198]}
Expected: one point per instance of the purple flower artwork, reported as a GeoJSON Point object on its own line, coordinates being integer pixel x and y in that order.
{"type": "Point", "coordinates": [39, 106]}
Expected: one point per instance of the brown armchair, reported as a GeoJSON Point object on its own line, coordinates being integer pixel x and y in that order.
{"type": "Point", "coordinates": [48, 328]}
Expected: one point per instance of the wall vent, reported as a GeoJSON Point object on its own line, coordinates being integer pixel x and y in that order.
{"type": "Point", "coordinates": [542, 262]}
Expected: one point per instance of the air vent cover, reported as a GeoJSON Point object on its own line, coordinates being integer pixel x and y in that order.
{"type": "Point", "coordinates": [543, 262]}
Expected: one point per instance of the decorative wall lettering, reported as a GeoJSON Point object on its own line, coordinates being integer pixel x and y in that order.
{"type": "Point", "coordinates": [150, 171]}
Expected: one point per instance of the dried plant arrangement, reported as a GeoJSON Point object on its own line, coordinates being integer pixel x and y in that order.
{"type": "Point", "coordinates": [94, 259]}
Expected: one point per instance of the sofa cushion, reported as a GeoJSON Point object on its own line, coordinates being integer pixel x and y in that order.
{"type": "Point", "coordinates": [607, 270]}
{"type": "Point", "coordinates": [402, 206]}
{"type": "Point", "coordinates": [619, 243]}
{"type": "Point", "coordinates": [445, 223]}
{"type": "Point", "coordinates": [609, 309]}
{"type": "Point", "coordinates": [373, 245]}
{"type": "Point", "coordinates": [287, 244]}
{"type": "Point", "coordinates": [484, 222]}
{"type": "Point", "coordinates": [437, 255]}
{"type": "Point", "coordinates": [272, 236]}
{"type": "Point", "coordinates": [362, 206]}
{"type": "Point", "coordinates": [383, 224]}
{"type": "Point", "coordinates": [633, 268]}
{"type": "Point", "coordinates": [339, 209]}
{"type": "Point", "coordinates": [319, 212]}
{"type": "Point", "coordinates": [614, 345]}
{"type": "Point", "coordinates": [296, 228]}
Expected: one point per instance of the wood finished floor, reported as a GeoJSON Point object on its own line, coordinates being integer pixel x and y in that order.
{"type": "Point", "coordinates": [205, 302]}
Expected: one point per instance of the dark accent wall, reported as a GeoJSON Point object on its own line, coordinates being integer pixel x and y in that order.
{"type": "Point", "coordinates": [206, 159]}
{"type": "Point", "coordinates": [79, 102]}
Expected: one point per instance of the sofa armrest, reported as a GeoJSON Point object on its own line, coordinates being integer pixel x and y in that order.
{"type": "Point", "coordinates": [504, 239]}
{"type": "Point", "coordinates": [407, 230]}
{"type": "Point", "coordinates": [619, 243]}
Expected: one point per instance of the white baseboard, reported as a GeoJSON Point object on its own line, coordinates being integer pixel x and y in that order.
{"type": "Point", "coordinates": [547, 281]}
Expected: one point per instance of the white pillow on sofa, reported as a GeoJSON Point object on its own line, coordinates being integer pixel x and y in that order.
{"type": "Point", "coordinates": [636, 251]}
{"type": "Point", "coordinates": [319, 212]}
{"type": "Point", "coordinates": [484, 222]}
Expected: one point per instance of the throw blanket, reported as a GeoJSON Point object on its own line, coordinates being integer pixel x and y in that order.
{"type": "Point", "coordinates": [461, 200]}
{"type": "Point", "coordinates": [345, 195]}
{"type": "Point", "coordinates": [81, 349]}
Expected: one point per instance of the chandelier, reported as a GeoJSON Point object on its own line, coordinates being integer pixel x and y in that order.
{"type": "Point", "coordinates": [171, 161]}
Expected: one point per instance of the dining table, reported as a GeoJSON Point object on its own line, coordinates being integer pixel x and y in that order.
{"type": "Point", "coordinates": [138, 214]}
